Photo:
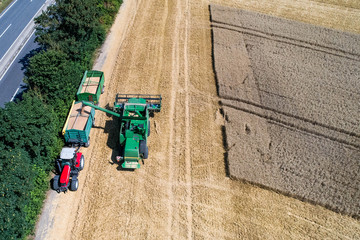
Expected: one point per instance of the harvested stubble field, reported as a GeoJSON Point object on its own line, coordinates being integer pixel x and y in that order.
{"type": "Point", "coordinates": [291, 92]}
{"type": "Point", "coordinates": [182, 192]}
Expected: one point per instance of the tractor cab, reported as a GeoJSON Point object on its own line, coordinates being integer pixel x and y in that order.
{"type": "Point", "coordinates": [67, 156]}
{"type": "Point", "coordinates": [69, 165]}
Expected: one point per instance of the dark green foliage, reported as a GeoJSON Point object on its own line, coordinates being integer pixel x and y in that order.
{"type": "Point", "coordinates": [30, 125]}
{"type": "Point", "coordinates": [16, 181]}
{"type": "Point", "coordinates": [22, 192]}
{"type": "Point", "coordinates": [52, 75]}
{"type": "Point", "coordinates": [71, 26]}
{"type": "Point", "coordinates": [108, 10]}
{"type": "Point", "coordinates": [28, 145]}
{"type": "Point", "coordinates": [37, 194]}
{"type": "Point", "coordinates": [70, 31]}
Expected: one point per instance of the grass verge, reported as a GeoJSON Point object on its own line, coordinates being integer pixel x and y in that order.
{"type": "Point", "coordinates": [4, 4]}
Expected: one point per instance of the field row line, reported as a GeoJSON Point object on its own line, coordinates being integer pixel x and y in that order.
{"type": "Point", "coordinates": [290, 120]}
{"type": "Point", "coordinates": [188, 163]}
{"type": "Point", "coordinates": [288, 40]}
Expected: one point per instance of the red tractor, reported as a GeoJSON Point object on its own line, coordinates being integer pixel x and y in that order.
{"type": "Point", "coordinates": [69, 165]}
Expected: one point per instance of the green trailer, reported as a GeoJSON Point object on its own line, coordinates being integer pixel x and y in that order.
{"type": "Point", "coordinates": [133, 111]}
{"type": "Point", "coordinates": [91, 87]}
{"type": "Point", "coordinates": [78, 124]}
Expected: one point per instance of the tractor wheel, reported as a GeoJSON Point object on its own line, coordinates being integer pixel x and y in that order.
{"type": "Point", "coordinates": [74, 184]}
{"type": "Point", "coordinates": [82, 163]}
{"type": "Point", "coordinates": [148, 128]}
{"type": "Point", "coordinates": [146, 153]}
{"type": "Point", "coordinates": [55, 183]}
{"type": "Point", "coordinates": [58, 166]}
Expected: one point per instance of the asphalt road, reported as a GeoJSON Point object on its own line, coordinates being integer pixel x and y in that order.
{"type": "Point", "coordinates": [14, 19]}
{"type": "Point", "coordinates": [16, 42]}
{"type": "Point", "coordinates": [11, 84]}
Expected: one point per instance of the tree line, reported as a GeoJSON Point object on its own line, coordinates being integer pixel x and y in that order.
{"type": "Point", "coordinates": [68, 32]}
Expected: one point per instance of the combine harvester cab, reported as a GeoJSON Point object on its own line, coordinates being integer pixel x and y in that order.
{"type": "Point", "coordinates": [69, 165]}
{"type": "Point", "coordinates": [134, 111]}
{"type": "Point", "coordinates": [91, 87]}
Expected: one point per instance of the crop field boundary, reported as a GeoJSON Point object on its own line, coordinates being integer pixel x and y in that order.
{"type": "Point", "coordinates": [270, 143]}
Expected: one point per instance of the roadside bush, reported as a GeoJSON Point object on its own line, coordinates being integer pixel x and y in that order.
{"type": "Point", "coordinates": [108, 10]}
{"type": "Point", "coordinates": [71, 26]}
{"type": "Point", "coordinates": [30, 125]}
{"type": "Point", "coordinates": [53, 76]}
{"type": "Point", "coordinates": [16, 181]}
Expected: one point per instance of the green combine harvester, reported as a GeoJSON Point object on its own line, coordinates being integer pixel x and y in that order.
{"type": "Point", "coordinates": [134, 111]}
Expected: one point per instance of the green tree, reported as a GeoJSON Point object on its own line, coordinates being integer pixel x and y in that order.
{"type": "Point", "coordinates": [16, 183]}
{"type": "Point", "coordinates": [53, 76]}
{"type": "Point", "coordinates": [69, 26]}
{"type": "Point", "coordinates": [32, 126]}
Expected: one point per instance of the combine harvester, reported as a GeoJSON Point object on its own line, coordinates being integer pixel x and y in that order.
{"type": "Point", "coordinates": [76, 132]}
{"type": "Point", "coordinates": [133, 111]}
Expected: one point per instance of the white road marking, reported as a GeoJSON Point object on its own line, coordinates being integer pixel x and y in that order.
{"type": "Point", "coordinates": [32, 19]}
{"type": "Point", "coordinates": [17, 55]}
{"type": "Point", "coordinates": [14, 94]}
{"type": "Point", "coordinates": [8, 8]}
{"type": "Point", "coordinates": [5, 31]}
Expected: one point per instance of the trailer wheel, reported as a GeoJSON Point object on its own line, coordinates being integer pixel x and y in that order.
{"type": "Point", "coordinates": [74, 184]}
{"type": "Point", "coordinates": [82, 163]}
{"type": "Point", "coordinates": [55, 183]}
{"type": "Point", "coordinates": [148, 128]}
{"type": "Point", "coordinates": [103, 89]}
{"type": "Point", "coordinates": [87, 144]}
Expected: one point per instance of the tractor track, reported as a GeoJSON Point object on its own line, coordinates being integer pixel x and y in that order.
{"type": "Point", "coordinates": [188, 164]}
{"type": "Point", "coordinates": [174, 87]}
{"type": "Point", "coordinates": [181, 192]}
{"type": "Point", "coordinates": [297, 122]}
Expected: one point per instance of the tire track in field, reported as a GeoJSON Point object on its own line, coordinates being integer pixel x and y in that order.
{"type": "Point", "coordinates": [342, 136]}
{"type": "Point", "coordinates": [175, 70]}
{"type": "Point", "coordinates": [159, 64]}
{"type": "Point", "coordinates": [188, 165]}
{"type": "Point", "coordinates": [288, 40]}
